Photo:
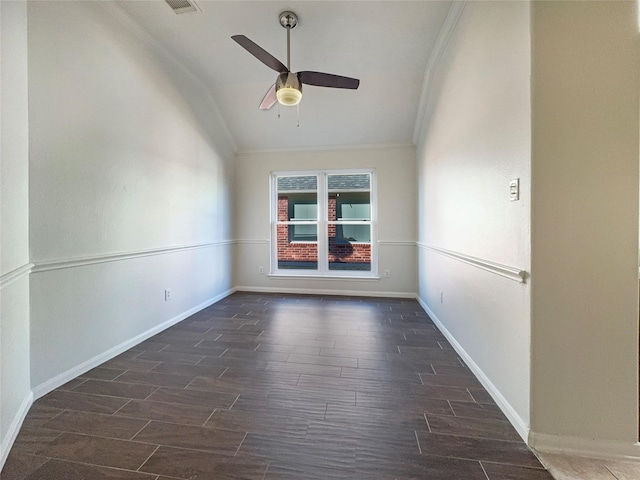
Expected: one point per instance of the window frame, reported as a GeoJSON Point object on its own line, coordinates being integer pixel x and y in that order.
{"type": "Point", "coordinates": [322, 223]}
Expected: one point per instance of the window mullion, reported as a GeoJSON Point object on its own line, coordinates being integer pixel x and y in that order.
{"type": "Point", "coordinates": [323, 240]}
{"type": "Point", "coordinates": [273, 186]}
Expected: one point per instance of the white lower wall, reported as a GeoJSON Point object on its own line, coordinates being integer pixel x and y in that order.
{"type": "Point", "coordinates": [83, 315]}
{"type": "Point", "coordinates": [15, 388]}
{"type": "Point", "coordinates": [395, 171]}
{"type": "Point", "coordinates": [484, 316]}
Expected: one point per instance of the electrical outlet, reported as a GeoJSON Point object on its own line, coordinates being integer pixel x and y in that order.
{"type": "Point", "coordinates": [387, 273]}
{"type": "Point", "coordinates": [261, 270]}
{"type": "Point", "coordinates": [167, 294]}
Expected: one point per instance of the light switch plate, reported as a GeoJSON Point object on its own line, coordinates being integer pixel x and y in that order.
{"type": "Point", "coordinates": [514, 190]}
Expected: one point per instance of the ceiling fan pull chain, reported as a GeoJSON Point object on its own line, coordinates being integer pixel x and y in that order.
{"type": "Point", "coordinates": [278, 110]}
{"type": "Point", "coordinates": [298, 114]}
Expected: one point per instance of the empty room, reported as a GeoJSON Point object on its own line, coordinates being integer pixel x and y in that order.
{"type": "Point", "coordinates": [319, 239]}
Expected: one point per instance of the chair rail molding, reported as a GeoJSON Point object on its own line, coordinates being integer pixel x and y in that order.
{"type": "Point", "coordinates": [251, 241]}
{"type": "Point", "coordinates": [512, 273]}
{"type": "Point", "coordinates": [10, 277]}
{"type": "Point", "coordinates": [397, 243]}
{"type": "Point", "coordinates": [115, 257]}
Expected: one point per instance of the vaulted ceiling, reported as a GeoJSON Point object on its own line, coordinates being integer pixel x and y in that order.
{"type": "Point", "coordinates": [386, 44]}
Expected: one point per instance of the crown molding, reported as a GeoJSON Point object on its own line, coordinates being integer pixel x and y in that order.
{"type": "Point", "coordinates": [329, 148]}
{"type": "Point", "coordinates": [134, 27]}
{"type": "Point", "coordinates": [448, 27]}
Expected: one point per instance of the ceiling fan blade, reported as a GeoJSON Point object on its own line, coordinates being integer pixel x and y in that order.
{"type": "Point", "coordinates": [260, 53]}
{"type": "Point", "coordinates": [269, 99]}
{"type": "Point", "coordinates": [320, 79]}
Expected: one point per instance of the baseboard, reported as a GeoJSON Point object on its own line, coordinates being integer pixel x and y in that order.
{"type": "Point", "coordinates": [53, 383]}
{"type": "Point", "coordinates": [518, 423]}
{"type": "Point", "coordinates": [14, 428]}
{"type": "Point", "coordinates": [584, 447]}
{"type": "Point", "coordinates": [324, 291]}
{"type": "Point", "coordinates": [544, 443]}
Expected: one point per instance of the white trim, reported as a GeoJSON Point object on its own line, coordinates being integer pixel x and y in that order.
{"type": "Point", "coordinates": [397, 244]}
{"type": "Point", "coordinates": [316, 291]}
{"type": "Point", "coordinates": [518, 422]}
{"type": "Point", "coordinates": [14, 428]}
{"type": "Point", "coordinates": [442, 41]}
{"type": "Point", "coordinates": [512, 273]}
{"type": "Point", "coordinates": [251, 241]}
{"type": "Point", "coordinates": [319, 173]}
{"type": "Point", "coordinates": [53, 383]}
{"type": "Point", "coordinates": [584, 447]}
{"type": "Point", "coordinates": [366, 275]}
{"type": "Point", "coordinates": [10, 277]}
{"type": "Point", "coordinates": [322, 223]}
{"type": "Point", "coordinates": [386, 243]}
{"type": "Point", "coordinates": [115, 257]}
{"type": "Point", "coordinates": [330, 148]}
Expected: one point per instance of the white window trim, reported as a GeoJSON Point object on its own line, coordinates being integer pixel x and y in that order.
{"type": "Point", "coordinates": [323, 221]}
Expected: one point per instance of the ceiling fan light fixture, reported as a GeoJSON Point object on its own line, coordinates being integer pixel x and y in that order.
{"type": "Point", "coordinates": [288, 89]}
{"type": "Point", "coordinates": [288, 96]}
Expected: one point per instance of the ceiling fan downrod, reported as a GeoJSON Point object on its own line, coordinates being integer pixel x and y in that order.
{"type": "Point", "coordinates": [288, 20]}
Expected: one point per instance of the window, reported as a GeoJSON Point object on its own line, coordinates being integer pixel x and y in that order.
{"type": "Point", "coordinates": [303, 207]}
{"type": "Point", "coordinates": [354, 207]}
{"type": "Point", "coordinates": [323, 223]}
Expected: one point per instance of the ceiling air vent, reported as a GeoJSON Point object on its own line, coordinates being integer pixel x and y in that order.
{"type": "Point", "coordinates": [182, 6]}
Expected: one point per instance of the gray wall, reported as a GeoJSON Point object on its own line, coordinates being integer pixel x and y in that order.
{"type": "Point", "coordinates": [585, 78]}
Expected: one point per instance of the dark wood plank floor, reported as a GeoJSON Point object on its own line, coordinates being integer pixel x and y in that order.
{"type": "Point", "coordinates": [263, 386]}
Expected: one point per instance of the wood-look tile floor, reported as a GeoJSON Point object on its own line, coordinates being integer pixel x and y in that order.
{"type": "Point", "coordinates": [265, 386]}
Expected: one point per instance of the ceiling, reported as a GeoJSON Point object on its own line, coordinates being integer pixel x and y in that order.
{"type": "Point", "coordinates": [386, 44]}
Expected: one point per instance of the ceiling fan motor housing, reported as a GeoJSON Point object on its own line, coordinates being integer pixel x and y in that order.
{"type": "Point", "coordinates": [288, 89]}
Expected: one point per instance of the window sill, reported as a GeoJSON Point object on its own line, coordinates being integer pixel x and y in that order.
{"type": "Point", "coordinates": [323, 277]}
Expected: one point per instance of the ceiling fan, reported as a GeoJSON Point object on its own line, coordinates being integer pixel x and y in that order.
{"type": "Point", "coordinates": [288, 87]}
